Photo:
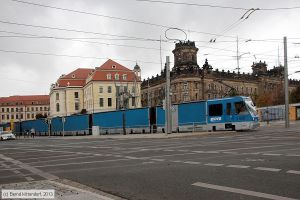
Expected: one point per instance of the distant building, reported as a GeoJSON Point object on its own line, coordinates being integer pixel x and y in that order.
{"type": "Point", "coordinates": [106, 88]}
{"type": "Point", "coordinates": [20, 108]}
{"type": "Point", "coordinates": [189, 82]}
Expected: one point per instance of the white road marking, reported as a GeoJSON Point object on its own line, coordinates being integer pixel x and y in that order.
{"type": "Point", "coordinates": [293, 172]}
{"type": "Point", "coordinates": [81, 163]}
{"type": "Point", "coordinates": [211, 152]}
{"type": "Point", "coordinates": [28, 178]}
{"type": "Point", "coordinates": [271, 154]}
{"type": "Point", "coordinates": [238, 166]}
{"type": "Point", "coordinates": [241, 191]}
{"type": "Point", "coordinates": [160, 160]}
{"type": "Point", "coordinates": [177, 161]}
{"type": "Point", "coordinates": [214, 164]}
{"type": "Point", "coordinates": [293, 155]}
{"type": "Point", "coordinates": [192, 162]}
{"type": "Point", "coordinates": [268, 169]}
{"type": "Point", "coordinates": [149, 162]}
{"type": "Point", "coordinates": [29, 168]}
{"type": "Point", "coordinates": [198, 151]}
{"type": "Point", "coordinates": [16, 171]}
{"type": "Point", "coordinates": [229, 152]}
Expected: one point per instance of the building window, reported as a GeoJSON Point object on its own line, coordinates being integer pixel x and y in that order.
{"type": "Point", "coordinates": [133, 101]}
{"type": "Point", "coordinates": [36, 109]}
{"type": "Point", "coordinates": [101, 102]}
{"type": "Point", "coordinates": [76, 95]}
{"type": "Point", "coordinates": [3, 116]}
{"type": "Point", "coordinates": [125, 89]}
{"type": "Point", "coordinates": [17, 116]}
{"type": "Point", "coordinates": [109, 102]}
{"type": "Point", "coordinates": [21, 116]}
{"type": "Point", "coordinates": [21, 109]}
{"type": "Point", "coordinates": [45, 108]}
{"type": "Point", "coordinates": [17, 109]}
{"type": "Point", "coordinates": [101, 89]}
{"type": "Point", "coordinates": [12, 116]}
{"type": "Point", "coordinates": [41, 108]}
{"type": "Point", "coordinates": [28, 116]}
{"type": "Point", "coordinates": [108, 76]}
{"type": "Point", "coordinates": [116, 76]}
{"type": "Point", "coordinates": [133, 89]}
{"type": "Point", "coordinates": [185, 97]}
{"type": "Point", "coordinates": [3, 109]}
{"type": "Point", "coordinates": [124, 76]}
{"type": "Point", "coordinates": [28, 109]}
{"type": "Point", "coordinates": [12, 109]}
{"type": "Point", "coordinates": [57, 96]}
{"type": "Point", "coordinates": [185, 86]}
{"type": "Point", "coordinates": [76, 106]}
{"type": "Point", "coordinates": [32, 116]}
{"type": "Point", "coordinates": [7, 116]}
{"type": "Point", "coordinates": [109, 89]}
{"type": "Point", "coordinates": [57, 107]}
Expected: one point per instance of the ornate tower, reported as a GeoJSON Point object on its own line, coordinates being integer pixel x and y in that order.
{"type": "Point", "coordinates": [259, 68]}
{"type": "Point", "coordinates": [185, 57]}
{"type": "Point", "coordinates": [137, 71]}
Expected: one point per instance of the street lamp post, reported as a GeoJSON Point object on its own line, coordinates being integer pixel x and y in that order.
{"type": "Point", "coordinates": [238, 57]}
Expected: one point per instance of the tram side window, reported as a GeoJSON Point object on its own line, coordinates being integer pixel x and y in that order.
{"type": "Point", "coordinates": [215, 110]}
{"type": "Point", "coordinates": [240, 108]}
{"type": "Point", "coordinates": [228, 109]}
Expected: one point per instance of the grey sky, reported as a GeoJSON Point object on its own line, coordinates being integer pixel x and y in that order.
{"type": "Point", "coordinates": [25, 74]}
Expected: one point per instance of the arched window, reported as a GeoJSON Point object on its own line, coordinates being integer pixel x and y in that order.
{"type": "Point", "coordinates": [57, 96]}
{"type": "Point", "coordinates": [57, 107]}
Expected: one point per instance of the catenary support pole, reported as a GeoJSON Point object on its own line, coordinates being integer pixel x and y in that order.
{"type": "Point", "coordinates": [168, 114]}
{"type": "Point", "coordinates": [286, 85]}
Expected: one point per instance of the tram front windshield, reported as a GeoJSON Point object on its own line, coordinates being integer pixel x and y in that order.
{"type": "Point", "coordinates": [251, 107]}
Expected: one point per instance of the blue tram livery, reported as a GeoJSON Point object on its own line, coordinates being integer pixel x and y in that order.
{"type": "Point", "coordinates": [233, 113]}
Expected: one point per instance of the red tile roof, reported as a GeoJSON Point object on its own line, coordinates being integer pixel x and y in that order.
{"type": "Point", "coordinates": [65, 83]}
{"type": "Point", "coordinates": [79, 76]}
{"type": "Point", "coordinates": [80, 73]}
{"type": "Point", "coordinates": [112, 65]}
{"type": "Point", "coordinates": [25, 100]}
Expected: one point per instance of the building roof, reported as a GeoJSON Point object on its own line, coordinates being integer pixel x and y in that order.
{"type": "Point", "coordinates": [112, 65]}
{"type": "Point", "coordinates": [25, 100]}
{"type": "Point", "coordinates": [75, 78]}
{"type": "Point", "coordinates": [80, 73]}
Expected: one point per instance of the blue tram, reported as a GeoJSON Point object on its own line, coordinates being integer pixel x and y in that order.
{"type": "Point", "coordinates": [233, 113]}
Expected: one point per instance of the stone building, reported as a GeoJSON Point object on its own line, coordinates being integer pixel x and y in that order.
{"type": "Point", "coordinates": [20, 108]}
{"type": "Point", "coordinates": [190, 82]}
{"type": "Point", "coordinates": [109, 87]}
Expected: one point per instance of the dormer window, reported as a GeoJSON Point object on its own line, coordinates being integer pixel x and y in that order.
{"type": "Point", "coordinates": [124, 76]}
{"type": "Point", "coordinates": [116, 76]}
{"type": "Point", "coordinates": [113, 66]}
{"type": "Point", "coordinates": [108, 76]}
{"type": "Point", "coordinates": [73, 75]}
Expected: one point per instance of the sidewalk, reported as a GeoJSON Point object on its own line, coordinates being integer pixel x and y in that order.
{"type": "Point", "coordinates": [64, 190]}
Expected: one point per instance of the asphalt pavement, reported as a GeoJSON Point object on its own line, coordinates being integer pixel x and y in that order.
{"type": "Point", "coordinates": [261, 164]}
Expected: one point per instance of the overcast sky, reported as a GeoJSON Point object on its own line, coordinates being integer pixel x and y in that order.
{"type": "Point", "coordinates": [32, 58]}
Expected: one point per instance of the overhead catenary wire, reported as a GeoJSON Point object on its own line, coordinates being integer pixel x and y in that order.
{"type": "Point", "coordinates": [33, 36]}
{"type": "Point", "coordinates": [217, 6]}
{"type": "Point", "coordinates": [73, 56]}
{"type": "Point", "coordinates": [113, 17]}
